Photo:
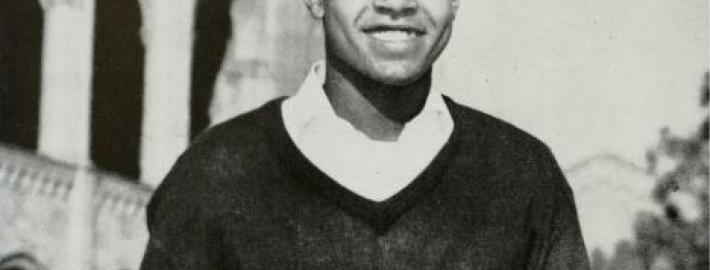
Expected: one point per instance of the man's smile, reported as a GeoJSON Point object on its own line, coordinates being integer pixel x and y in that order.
{"type": "Point", "coordinates": [391, 38]}
{"type": "Point", "coordinates": [394, 32]}
{"type": "Point", "coordinates": [393, 35]}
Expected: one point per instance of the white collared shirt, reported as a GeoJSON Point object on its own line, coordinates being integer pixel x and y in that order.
{"type": "Point", "coordinates": [373, 169]}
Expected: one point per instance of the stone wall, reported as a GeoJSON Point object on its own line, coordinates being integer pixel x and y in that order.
{"type": "Point", "coordinates": [34, 213]}
{"type": "Point", "coordinates": [33, 206]}
{"type": "Point", "coordinates": [120, 232]}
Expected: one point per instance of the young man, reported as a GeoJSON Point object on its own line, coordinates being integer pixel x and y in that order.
{"type": "Point", "coordinates": [367, 167]}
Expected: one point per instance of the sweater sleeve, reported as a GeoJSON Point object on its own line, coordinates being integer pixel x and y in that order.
{"type": "Point", "coordinates": [558, 243]}
{"type": "Point", "coordinates": [184, 231]}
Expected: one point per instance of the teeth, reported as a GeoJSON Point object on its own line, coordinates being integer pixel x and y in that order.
{"type": "Point", "coordinates": [393, 35]}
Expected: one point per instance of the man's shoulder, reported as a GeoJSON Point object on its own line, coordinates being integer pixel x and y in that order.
{"type": "Point", "coordinates": [483, 128]}
{"type": "Point", "coordinates": [491, 146]}
{"type": "Point", "coordinates": [223, 162]}
{"type": "Point", "coordinates": [243, 128]}
{"type": "Point", "coordinates": [232, 145]}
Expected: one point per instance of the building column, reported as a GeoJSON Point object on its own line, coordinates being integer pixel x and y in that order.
{"type": "Point", "coordinates": [65, 105]}
{"type": "Point", "coordinates": [167, 34]}
{"type": "Point", "coordinates": [65, 102]}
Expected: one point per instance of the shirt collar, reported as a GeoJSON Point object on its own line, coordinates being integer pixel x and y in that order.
{"type": "Point", "coordinates": [310, 102]}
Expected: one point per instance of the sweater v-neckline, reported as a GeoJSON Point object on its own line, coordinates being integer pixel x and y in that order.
{"type": "Point", "coordinates": [380, 215]}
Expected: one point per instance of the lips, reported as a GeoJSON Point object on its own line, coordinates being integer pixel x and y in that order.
{"type": "Point", "coordinates": [393, 32]}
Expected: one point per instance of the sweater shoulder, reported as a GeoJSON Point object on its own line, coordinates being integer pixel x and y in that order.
{"type": "Point", "coordinates": [235, 144]}
{"type": "Point", "coordinates": [217, 164]}
{"type": "Point", "coordinates": [242, 130]}
{"type": "Point", "coordinates": [494, 131]}
{"type": "Point", "coordinates": [507, 155]}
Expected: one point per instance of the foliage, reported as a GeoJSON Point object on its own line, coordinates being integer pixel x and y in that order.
{"type": "Point", "coordinates": [678, 237]}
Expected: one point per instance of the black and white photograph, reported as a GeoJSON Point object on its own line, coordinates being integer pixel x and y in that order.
{"type": "Point", "coordinates": [354, 134]}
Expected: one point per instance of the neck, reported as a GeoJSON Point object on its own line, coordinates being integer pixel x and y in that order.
{"type": "Point", "coordinates": [378, 110]}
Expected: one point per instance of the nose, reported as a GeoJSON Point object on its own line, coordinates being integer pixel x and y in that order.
{"type": "Point", "coordinates": [396, 7]}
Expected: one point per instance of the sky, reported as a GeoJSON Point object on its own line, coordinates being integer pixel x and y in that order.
{"type": "Point", "coordinates": [588, 77]}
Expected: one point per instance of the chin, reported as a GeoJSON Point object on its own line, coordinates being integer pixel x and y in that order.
{"type": "Point", "coordinates": [396, 74]}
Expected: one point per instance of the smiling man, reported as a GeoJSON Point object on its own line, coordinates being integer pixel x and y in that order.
{"type": "Point", "coordinates": [367, 167]}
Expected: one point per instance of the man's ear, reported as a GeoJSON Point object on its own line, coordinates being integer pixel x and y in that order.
{"type": "Point", "coordinates": [316, 8]}
{"type": "Point", "coordinates": [455, 5]}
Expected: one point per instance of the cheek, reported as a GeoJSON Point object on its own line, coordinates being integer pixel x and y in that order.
{"type": "Point", "coordinates": [442, 14]}
{"type": "Point", "coordinates": [336, 34]}
{"type": "Point", "coordinates": [338, 25]}
{"type": "Point", "coordinates": [344, 11]}
{"type": "Point", "coordinates": [439, 9]}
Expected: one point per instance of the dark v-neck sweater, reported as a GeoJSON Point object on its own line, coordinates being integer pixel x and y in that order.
{"type": "Point", "coordinates": [244, 197]}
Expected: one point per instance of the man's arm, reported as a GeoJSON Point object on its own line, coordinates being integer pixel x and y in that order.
{"type": "Point", "coordinates": [558, 244]}
{"type": "Point", "coordinates": [567, 250]}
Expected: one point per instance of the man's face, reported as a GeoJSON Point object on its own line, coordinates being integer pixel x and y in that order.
{"type": "Point", "coordinates": [393, 42]}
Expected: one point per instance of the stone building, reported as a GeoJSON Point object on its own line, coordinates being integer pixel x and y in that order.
{"type": "Point", "coordinates": [99, 97]}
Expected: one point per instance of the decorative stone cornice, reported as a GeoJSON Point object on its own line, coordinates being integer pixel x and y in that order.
{"type": "Point", "coordinates": [30, 174]}
{"type": "Point", "coordinates": [116, 195]}
{"type": "Point", "coordinates": [33, 175]}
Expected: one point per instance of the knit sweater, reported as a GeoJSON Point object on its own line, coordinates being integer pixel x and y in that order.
{"type": "Point", "coordinates": [243, 197]}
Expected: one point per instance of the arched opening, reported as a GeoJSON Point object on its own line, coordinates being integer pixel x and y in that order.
{"type": "Point", "coordinates": [213, 28]}
{"type": "Point", "coordinates": [20, 261]}
{"type": "Point", "coordinates": [117, 101]}
{"type": "Point", "coordinates": [21, 31]}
